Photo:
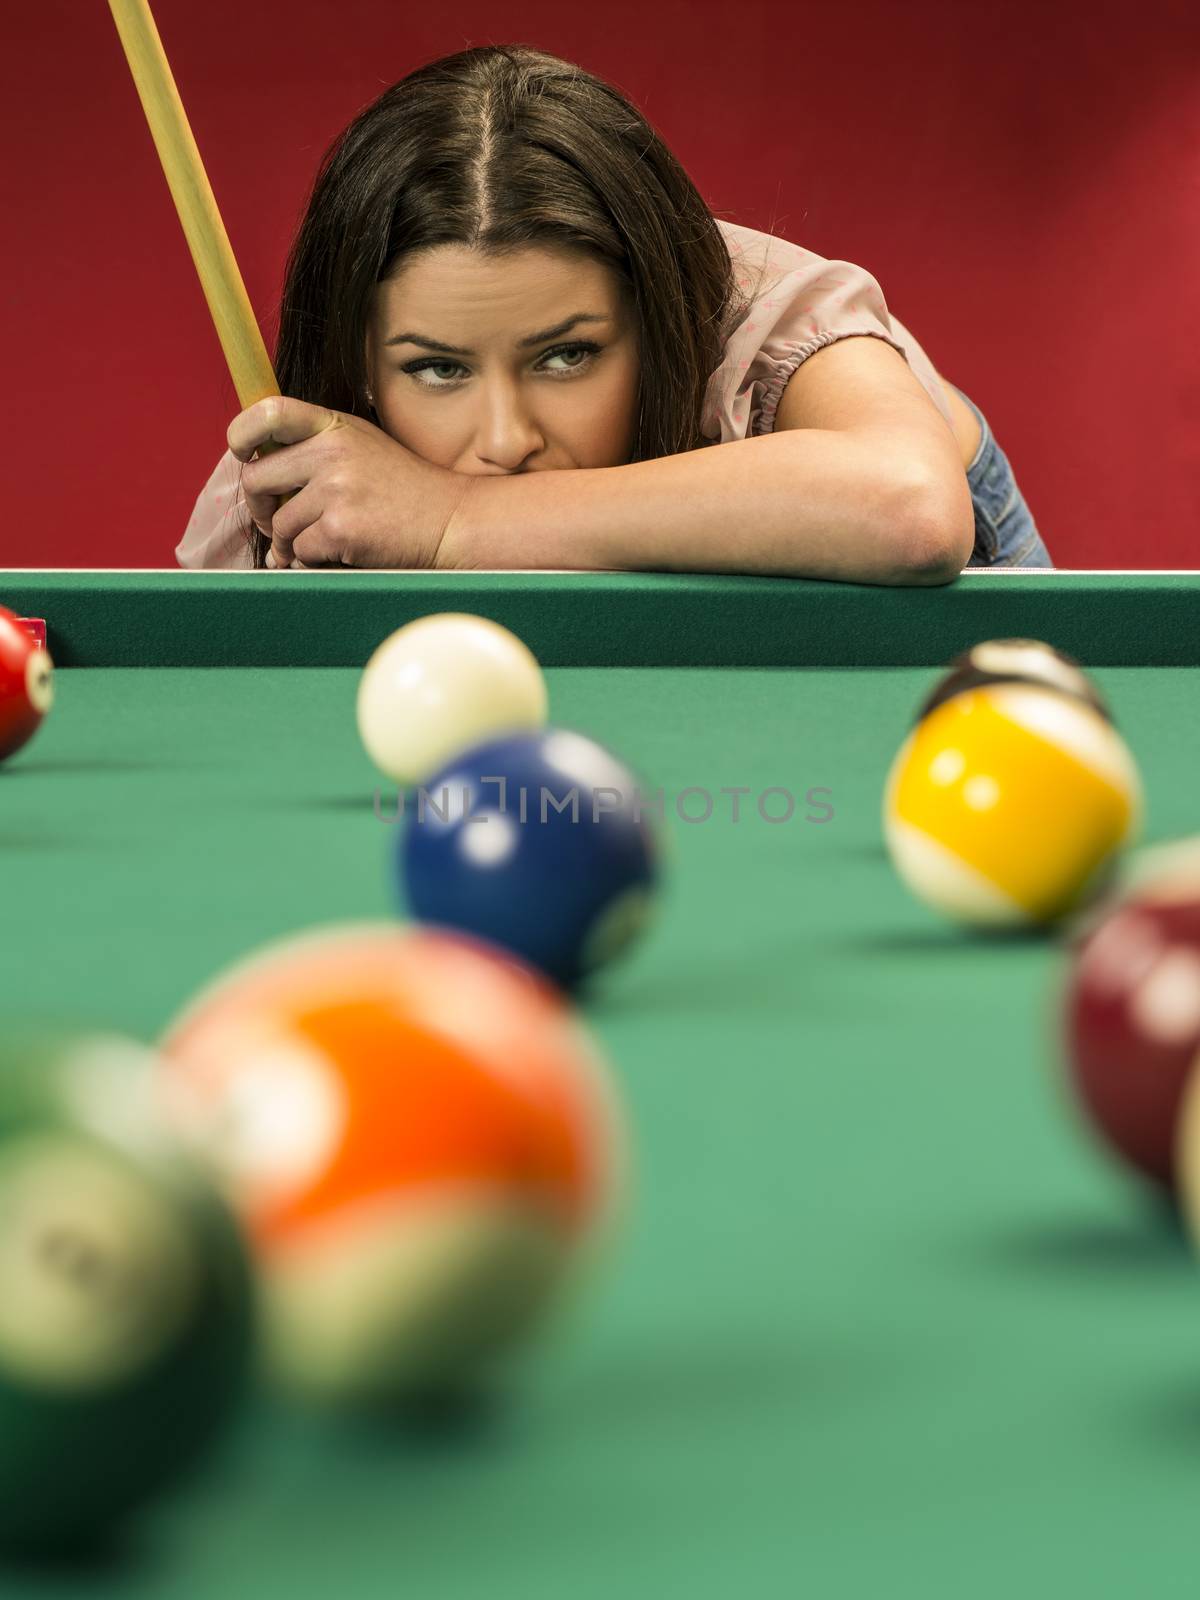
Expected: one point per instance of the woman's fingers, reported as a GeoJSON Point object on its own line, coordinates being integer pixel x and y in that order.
{"type": "Point", "coordinates": [278, 419]}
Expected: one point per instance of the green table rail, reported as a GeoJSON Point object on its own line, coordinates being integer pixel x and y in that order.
{"type": "Point", "coordinates": [334, 619]}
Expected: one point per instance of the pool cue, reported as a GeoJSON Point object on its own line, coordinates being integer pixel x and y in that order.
{"type": "Point", "coordinates": [229, 304]}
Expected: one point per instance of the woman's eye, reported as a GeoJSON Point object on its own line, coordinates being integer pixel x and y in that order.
{"type": "Point", "coordinates": [444, 369]}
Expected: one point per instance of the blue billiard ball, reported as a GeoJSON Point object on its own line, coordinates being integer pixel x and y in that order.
{"type": "Point", "coordinates": [539, 842]}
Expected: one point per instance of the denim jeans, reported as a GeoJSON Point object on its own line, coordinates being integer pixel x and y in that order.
{"type": "Point", "coordinates": [1005, 532]}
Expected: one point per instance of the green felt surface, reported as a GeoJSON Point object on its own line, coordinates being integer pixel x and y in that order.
{"type": "Point", "coordinates": [881, 1321]}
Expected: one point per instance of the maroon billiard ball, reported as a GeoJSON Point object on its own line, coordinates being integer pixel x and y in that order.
{"type": "Point", "coordinates": [26, 684]}
{"type": "Point", "coordinates": [1132, 1010]}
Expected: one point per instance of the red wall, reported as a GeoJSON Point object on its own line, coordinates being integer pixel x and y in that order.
{"type": "Point", "coordinates": [1023, 179]}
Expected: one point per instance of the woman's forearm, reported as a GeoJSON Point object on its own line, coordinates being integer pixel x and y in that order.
{"type": "Point", "coordinates": [807, 502]}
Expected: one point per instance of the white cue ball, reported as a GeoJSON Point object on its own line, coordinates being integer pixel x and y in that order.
{"type": "Point", "coordinates": [443, 683]}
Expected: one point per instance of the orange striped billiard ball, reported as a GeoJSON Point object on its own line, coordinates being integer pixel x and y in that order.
{"type": "Point", "coordinates": [1008, 806]}
{"type": "Point", "coordinates": [419, 1138]}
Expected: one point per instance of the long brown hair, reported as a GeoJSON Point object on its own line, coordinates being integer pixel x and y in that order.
{"type": "Point", "coordinates": [498, 148]}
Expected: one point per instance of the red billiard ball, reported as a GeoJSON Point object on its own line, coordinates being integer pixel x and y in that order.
{"type": "Point", "coordinates": [26, 684]}
{"type": "Point", "coordinates": [1132, 1011]}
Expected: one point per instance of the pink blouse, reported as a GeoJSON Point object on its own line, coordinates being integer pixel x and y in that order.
{"type": "Point", "coordinates": [801, 302]}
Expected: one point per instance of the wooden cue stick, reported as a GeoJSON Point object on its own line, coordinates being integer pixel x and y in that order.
{"type": "Point", "coordinates": [229, 304]}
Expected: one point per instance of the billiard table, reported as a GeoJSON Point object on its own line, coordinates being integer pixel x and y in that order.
{"type": "Point", "coordinates": [882, 1320]}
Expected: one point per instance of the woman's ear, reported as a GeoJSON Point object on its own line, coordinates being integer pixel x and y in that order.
{"type": "Point", "coordinates": [369, 369]}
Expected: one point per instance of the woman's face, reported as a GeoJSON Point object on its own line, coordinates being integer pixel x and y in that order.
{"type": "Point", "coordinates": [503, 404]}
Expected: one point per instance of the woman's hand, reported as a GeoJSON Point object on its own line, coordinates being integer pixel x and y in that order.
{"type": "Point", "coordinates": [359, 498]}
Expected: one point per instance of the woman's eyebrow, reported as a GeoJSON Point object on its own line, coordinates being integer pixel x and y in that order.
{"type": "Point", "coordinates": [522, 344]}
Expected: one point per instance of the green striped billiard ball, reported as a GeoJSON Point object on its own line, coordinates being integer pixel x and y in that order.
{"type": "Point", "coordinates": [125, 1299]}
{"type": "Point", "coordinates": [1022, 661]}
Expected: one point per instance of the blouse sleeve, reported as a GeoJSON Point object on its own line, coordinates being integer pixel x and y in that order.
{"type": "Point", "coordinates": [215, 535]}
{"type": "Point", "coordinates": [802, 302]}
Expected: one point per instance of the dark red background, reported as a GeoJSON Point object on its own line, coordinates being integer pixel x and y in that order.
{"type": "Point", "coordinates": [1023, 179]}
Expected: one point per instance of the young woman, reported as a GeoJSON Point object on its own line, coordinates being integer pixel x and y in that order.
{"type": "Point", "coordinates": [504, 277]}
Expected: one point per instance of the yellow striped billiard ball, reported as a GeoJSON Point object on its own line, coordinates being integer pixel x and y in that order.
{"type": "Point", "coordinates": [1007, 806]}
